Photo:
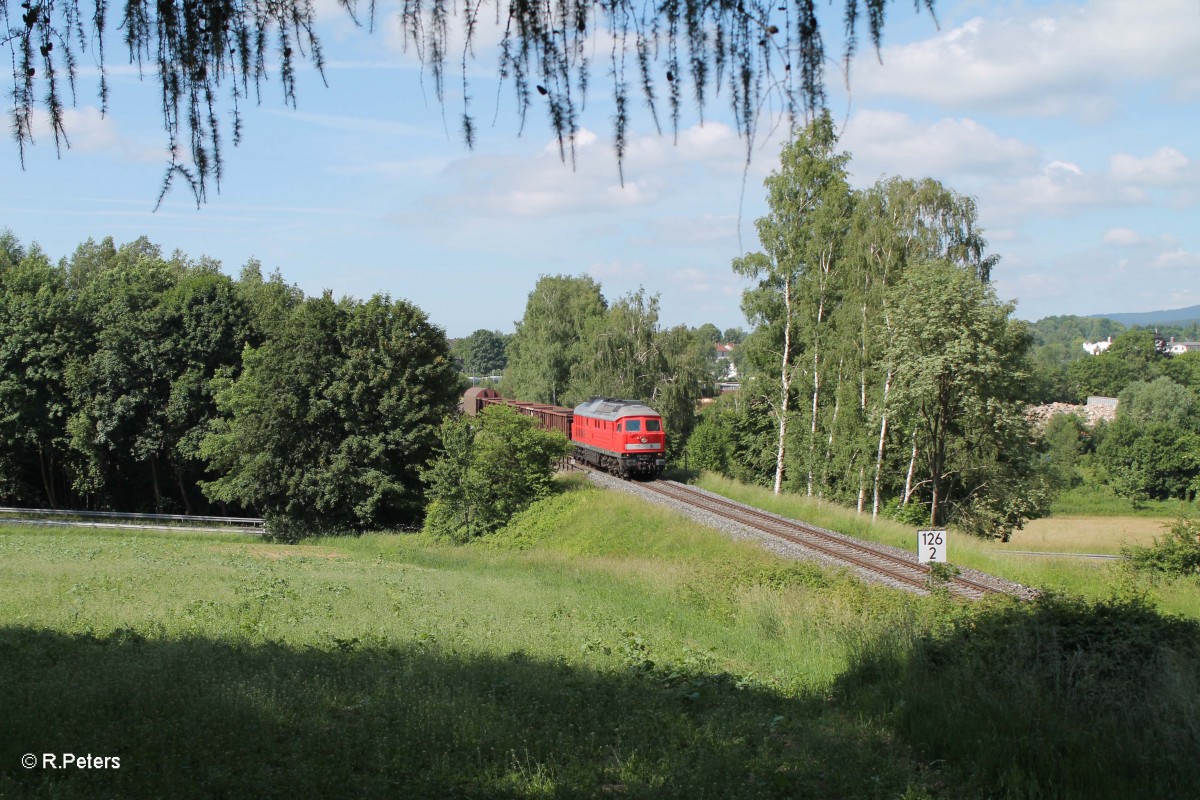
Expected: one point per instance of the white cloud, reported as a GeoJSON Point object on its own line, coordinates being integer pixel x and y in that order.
{"type": "Point", "coordinates": [1122, 237]}
{"type": "Point", "coordinates": [1166, 166]}
{"type": "Point", "coordinates": [886, 142]}
{"type": "Point", "coordinates": [1030, 62]}
{"type": "Point", "coordinates": [541, 184]}
{"type": "Point", "coordinates": [90, 131]}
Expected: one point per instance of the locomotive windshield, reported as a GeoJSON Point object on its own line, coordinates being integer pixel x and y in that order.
{"type": "Point", "coordinates": [633, 425]}
{"type": "Point", "coordinates": [653, 425]}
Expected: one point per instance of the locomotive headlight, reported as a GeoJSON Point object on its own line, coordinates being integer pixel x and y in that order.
{"type": "Point", "coordinates": [644, 440]}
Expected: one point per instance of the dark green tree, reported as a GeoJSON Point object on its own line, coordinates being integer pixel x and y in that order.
{"type": "Point", "coordinates": [1132, 357]}
{"type": "Point", "coordinates": [40, 334]}
{"type": "Point", "coordinates": [120, 391]}
{"type": "Point", "coordinates": [331, 421]}
{"type": "Point", "coordinates": [1150, 462]}
{"type": "Point", "coordinates": [482, 353]}
{"type": "Point", "coordinates": [1161, 400]}
{"type": "Point", "coordinates": [269, 301]}
{"type": "Point", "coordinates": [1064, 443]}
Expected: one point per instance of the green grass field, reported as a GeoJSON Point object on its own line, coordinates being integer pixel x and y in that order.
{"type": "Point", "coordinates": [597, 647]}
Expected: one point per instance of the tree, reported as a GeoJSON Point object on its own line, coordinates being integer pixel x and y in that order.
{"type": "Point", "coordinates": [331, 421]}
{"type": "Point", "coordinates": [201, 50]}
{"type": "Point", "coordinates": [489, 472]}
{"type": "Point", "coordinates": [120, 391]}
{"type": "Point", "coordinates": [958, 360]}
{"type": "Point", "coordinates": [1064, 444]}
{"type": "Point", "coordinates": [1161, 400]}
{"type": "Point", "coordinates": [39, 335]}
{"type": "Point", "coordinates": [482, 353]}
{"type": "Point", "coordinates": [897, 222]}
{"type": "Point", "coordinates": [1133, 356]}
{"type": "Point", "coordinates": [546, 344]}
{"type": "Point", "coordinates": [1150, 462]}
{"type": "Point", "coordinates": [733, 336]}
{"type": "Point", "coordinates": [809, 203]}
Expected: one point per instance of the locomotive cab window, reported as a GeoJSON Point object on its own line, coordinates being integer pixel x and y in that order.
{"type": "Point", "coordinates": [653, 425]}
{"type": "Point", "coordinates": [634, 425]}
{"type": "Point", "coordinates": [618, 427]}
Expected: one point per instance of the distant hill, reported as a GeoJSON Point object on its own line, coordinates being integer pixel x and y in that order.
{"type": "Point", "coordinates": [1149, 318]}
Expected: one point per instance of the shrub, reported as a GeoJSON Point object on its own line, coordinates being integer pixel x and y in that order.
{"type": "Point", "coordinates": [1175, 553]}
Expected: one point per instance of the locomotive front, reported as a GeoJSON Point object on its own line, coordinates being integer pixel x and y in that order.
{"type": "Point", "coordinates": [620, 436]}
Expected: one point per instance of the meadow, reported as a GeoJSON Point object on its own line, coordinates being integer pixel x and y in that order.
{"type": "Point", "coordinates": [596, 647]}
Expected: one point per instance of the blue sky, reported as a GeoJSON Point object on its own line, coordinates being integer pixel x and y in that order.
{"type": "Point", "coordinates": [1074, 124]}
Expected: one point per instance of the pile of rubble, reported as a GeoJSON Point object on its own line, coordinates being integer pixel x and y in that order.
{"type": "Point", "coordinates": [1090, 414]}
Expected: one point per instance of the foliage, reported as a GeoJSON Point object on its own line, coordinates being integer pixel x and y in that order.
{"type": "Point", "coordinates": [958, 360]}
{"type": "Point", "coordinates": [330, 422]}
{"type": "Point", "coordinates": [1064, 442]}
{"type": "Point", "coordinates": [734, 438]}
{"type": "Point", "coordinates": [1058, 681]}
{"type": "Point", "coordinates": [203, 49]}
{"type": "Point", "coordinates": [1184, 369]}
{"type": "Point", "coordinates": [1175, 553]}
{"type": "Point", "coordinates": [1064, 335]}
{"type": "Point", "coordinates": [547, 339]}
{"type": "Point", "coordinates": [108, 362]}
{"type": "Point", "coordinates": [1150, 462]}
{"type": "Point", "coordinates": [490, 468]}
{"type": "Point", "coordinates": [1133, 356]}
{"type": "Point", "coordinates": [810, 204]}
{"type": "Point", "coordinates": [1161, 400]}
{"type": "Point", "coordinates": [482, 353]}
{"type": "Point", "coordinates": [39, 335]}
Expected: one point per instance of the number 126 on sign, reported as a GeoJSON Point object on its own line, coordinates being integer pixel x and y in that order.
{"type": "Point", "coordinates": [931, 546]}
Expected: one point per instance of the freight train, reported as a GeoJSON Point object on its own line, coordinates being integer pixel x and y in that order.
{"type": "Point", "coordinates": [623, 437]}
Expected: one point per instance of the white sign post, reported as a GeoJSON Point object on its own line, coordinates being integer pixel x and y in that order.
{"type": "Point", "coordinates": [931, 546]}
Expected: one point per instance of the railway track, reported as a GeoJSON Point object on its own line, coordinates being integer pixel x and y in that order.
{"type": "Point", "coordinates": [874, 561]}
{"type": "Point", "coordinates": [862, 555]}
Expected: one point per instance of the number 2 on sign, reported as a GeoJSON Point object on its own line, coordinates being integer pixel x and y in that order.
{"type": "Point", "coordinates": [931, 546]}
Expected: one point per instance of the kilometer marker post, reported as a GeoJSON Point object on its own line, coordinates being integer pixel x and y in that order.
{"type": "Point", "coordinates": [931, 546]}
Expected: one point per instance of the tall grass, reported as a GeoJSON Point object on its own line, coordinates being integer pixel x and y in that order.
{"type": "Point", "coordinates": [1095, 580]}
{"type": "Point", "coordinates": [1095, 501]}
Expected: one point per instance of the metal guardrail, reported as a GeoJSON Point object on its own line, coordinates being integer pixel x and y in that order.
{"type": "Point", "coordinates": [121, 515]}
{"type": "Point", "coordinates": [250, 525]}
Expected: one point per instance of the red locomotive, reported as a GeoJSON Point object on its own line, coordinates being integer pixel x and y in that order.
{"type": "Point", "coordinates": [624, 437]}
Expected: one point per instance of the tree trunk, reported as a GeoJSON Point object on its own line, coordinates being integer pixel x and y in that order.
{"type": "Point", "coordinates": [785, 379]}
{"type": "Point", "coordinates": [883, 427]}
{"type": "Point", "coordinates": [837, 404]}
{"type": "Point", "coordinates": [862, 487]}
{"type": "Point", "coordinates": [47, 477]}
{"type": "Point", "coordinates": [912, 465]}
{"type": "Point", "coordinates": [183, 492]}
{"type": "Point", "coordinates": [154, 480]}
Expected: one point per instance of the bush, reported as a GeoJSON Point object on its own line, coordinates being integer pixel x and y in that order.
{"type": "Point", "coordinates": [1176, 553]}
{"type": "Point", "coordinates": [1058, 698]}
